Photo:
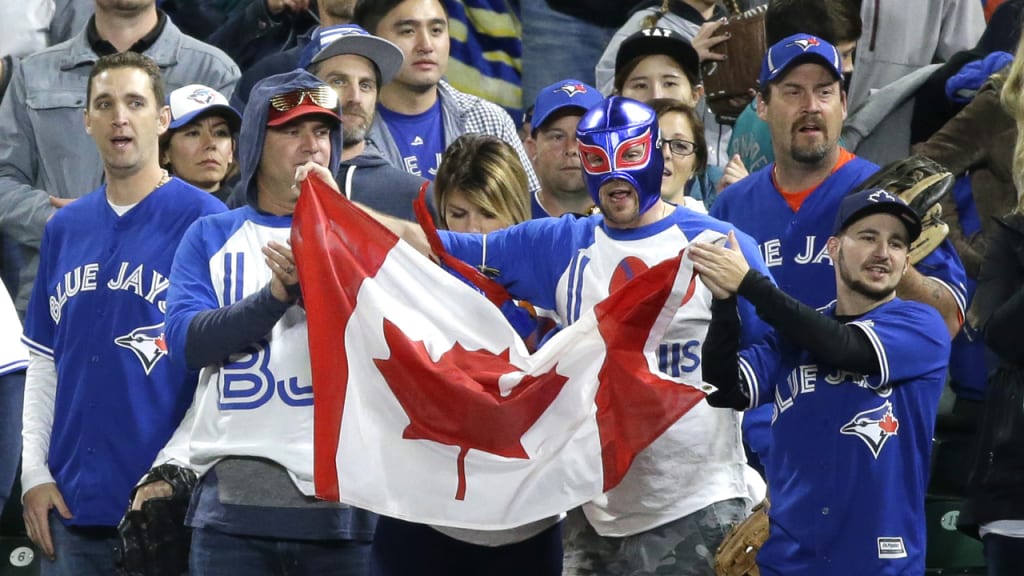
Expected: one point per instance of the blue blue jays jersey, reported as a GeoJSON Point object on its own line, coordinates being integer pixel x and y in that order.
{"type": "Point", "coordinates": [793, 244]}
{"type": "Point", "coordinates": [849, 463]}
{"type": "Point", "coordinates": [97, 309]}
{"type": "Point", "coordinates": [567, 265]}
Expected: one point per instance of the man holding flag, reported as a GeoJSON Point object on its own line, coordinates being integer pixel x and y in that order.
{"type": "Point", "coordinates": [682, 491]}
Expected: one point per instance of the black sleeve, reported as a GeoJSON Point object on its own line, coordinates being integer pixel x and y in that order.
{"type": "Point", "coordinates": [832, 342]}
{"type": "Point", "coordinates": [719, 357]}
{"type": "Point", "coordinates": [213, 335]}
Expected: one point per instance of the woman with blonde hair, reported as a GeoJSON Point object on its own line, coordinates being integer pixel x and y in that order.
{"type": "Point", "coordinates": [480, 186]}
{"type": "Point", "coordinates": [995, 503]}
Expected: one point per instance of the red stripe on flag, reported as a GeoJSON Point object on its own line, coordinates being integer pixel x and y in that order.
{"type": "Point", "coordinates": [337, 246]}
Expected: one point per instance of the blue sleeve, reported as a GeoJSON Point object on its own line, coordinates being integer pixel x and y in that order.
{"type": "Point", "coordinates": [753, 328]}
{"type": "Point", "coordinates": [39, 327]}
{"type": "Point", "coordinates": [191, 290]}
{"type": "Point", "coordinates": [760, 366]}
{"type": "Point", "coordinates": [944, 266]}
{"type": "Point", "coordinates": [908, 338]}
{"type": "Point", "coordinates": [527, 259]}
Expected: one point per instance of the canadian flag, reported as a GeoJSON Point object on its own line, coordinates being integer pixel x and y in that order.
{"type": "Point", "coordinates": [428, 406]}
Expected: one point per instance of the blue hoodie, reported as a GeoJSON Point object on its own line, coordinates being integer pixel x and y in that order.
{"type": "Point", "coordinates": [254, 126]}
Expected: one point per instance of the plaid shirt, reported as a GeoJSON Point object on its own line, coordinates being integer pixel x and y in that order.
{"type": "Point", "coordinates": [463, 114]}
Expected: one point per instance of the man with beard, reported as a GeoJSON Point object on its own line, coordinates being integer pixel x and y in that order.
{"type": "Point", "coordinates": [355, 64]}
{"type": "Point", "coordinates": [684, 491]}
{"type": "Point", "coordinates": [788, 205]}
{"type": "Point", "coordinates": [854, 388]}
{"type": "Point", "coordinates": [552, 148]}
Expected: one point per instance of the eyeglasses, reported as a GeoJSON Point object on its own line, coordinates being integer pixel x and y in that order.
{"type": "Point", "coordinates": [322, 96]}
{"type": "Point", "coordinates": [679, 147]}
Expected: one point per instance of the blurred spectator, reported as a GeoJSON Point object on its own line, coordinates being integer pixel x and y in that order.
{"type": "Point", "coordinates": [553, 152]}
{"type": "Point", "coordinates": [259, 28]}
{"type": "Point", "coordinates": [419, 113]}
{"type": "Point", "coordinates": [995, 505]}
{"type": "Point", "coordinates": [486, 51]}
{"type": "Point", "coordinates": [902, 36]}
{"type": "Point", "coordinates": [46, 158]}
{"type": "Point", "coordinates": [23, 30]}
{"type": "Point", "coordinates": [332, 13]}
{"type": "Point", "coordinates": [199, 145]}
{"type": "Point", "coordinates": [13, 362]}
{"type": "Point", "coordinates": [696, 21]}
{"type": "Point", "coordinates": [547, 57]}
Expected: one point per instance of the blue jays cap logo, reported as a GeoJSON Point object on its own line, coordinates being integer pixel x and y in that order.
{"type": "Point", "coordinates": [201, 96]}
{"type": "Point", "coordinates": [572, 89]}
{"type": "Point", "coordinates": [148, 344]}
{"type": "Point", "coordinates": [874, 427]}
{"type": "Point", "coordinates": [805, 43]}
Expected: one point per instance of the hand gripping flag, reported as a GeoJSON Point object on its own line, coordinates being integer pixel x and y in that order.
{"type": "Point", "coordinates": [428, 406]}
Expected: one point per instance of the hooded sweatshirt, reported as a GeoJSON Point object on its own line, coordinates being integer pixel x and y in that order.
{"type": "Point", "coordinates": [255, 458]}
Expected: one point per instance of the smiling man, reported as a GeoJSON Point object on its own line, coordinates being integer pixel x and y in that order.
{"type": "Point", "coordinates": [685, 490]}
{"type": "Point", "coordinates": [854, 389]}
{"type": "Point", "coordinates": [101, 398]}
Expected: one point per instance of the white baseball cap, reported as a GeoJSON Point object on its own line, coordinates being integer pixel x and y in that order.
{"type": "Point", "coordinates": [190, 101]}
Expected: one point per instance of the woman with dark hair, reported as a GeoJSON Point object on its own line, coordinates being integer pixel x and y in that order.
{"type": "Point", "coordinates": [688, 180]}
{"type": "Point", "coordinates": [199, 145]}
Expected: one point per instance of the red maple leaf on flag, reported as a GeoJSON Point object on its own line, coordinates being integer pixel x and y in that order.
{"type": "Point", "coordinates": [457, 400]}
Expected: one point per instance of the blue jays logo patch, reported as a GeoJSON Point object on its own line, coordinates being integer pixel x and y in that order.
{"type": "Point", "coordinates": [874, 427]}
{"type": "Point", "coordinates": [805, 43]}
{"type": "Point", "coordinates": [882, 196]}
{"type": "Point", "coordinates": [201, 96]}
{"type": "Point", "coordinates": [148, 344]}
{"type": "Point", "coordinates": [572, 89]}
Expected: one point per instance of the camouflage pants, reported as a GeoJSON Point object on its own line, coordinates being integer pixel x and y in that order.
{"type": "Point", "coordinates": [684, 547]}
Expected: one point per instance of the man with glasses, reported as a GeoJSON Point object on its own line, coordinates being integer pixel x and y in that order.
{"type": "Point", "coordinates": [232, 313]}
{"type": "Point", "coordinates": [552, 148]}
{"type": "Point", "coordinates": [683, 492]}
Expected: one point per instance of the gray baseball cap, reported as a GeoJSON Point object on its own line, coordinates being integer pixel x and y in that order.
{"type": "Point", "coordinates": [352, 39]}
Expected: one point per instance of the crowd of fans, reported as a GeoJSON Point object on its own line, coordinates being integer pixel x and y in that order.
{"type": "Point", "coordinates": [489, 105]}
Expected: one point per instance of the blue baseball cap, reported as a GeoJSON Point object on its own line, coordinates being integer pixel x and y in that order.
{"type": "Point", "coordinates": [351, 39]}
{"type": "Point", "coordinates": [874, 201]}
{"type": "Point", "coordinates": [190, 101]}
{"type": "Point", "coordinates": [562, 95]}
{"type": "Point", "coordinates": [799, 49]}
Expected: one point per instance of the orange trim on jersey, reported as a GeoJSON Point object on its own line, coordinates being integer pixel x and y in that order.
{"type": "Point", "coordinates": [796, 199]}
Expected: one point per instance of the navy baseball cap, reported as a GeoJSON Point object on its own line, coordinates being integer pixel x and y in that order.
{"type": "Point", "coordinates": [351, 39]}
{"type": "Point", "coordinates": [562, 95]}
{"type": "Point", "coordinates": [650, 41]}
{"type": "Point", "coordinates": [190, 101]}
{"type": "Point", "coordinates": [799, 49]}
{"type": "Point", "coordinates": [874, 201]}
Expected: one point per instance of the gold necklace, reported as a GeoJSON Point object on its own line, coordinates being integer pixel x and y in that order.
{"type": "Point", "coordinates": [164, 179]}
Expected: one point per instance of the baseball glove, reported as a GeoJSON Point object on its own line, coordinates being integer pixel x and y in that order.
{"type": "Point", "coordinates": [737, 554]}
{"type": "Point", "coordinates": [922, 183]}
{"type": "Point", "coordinates": [155, 540]}
{"type": "Point", "coordinates": [727, 83]}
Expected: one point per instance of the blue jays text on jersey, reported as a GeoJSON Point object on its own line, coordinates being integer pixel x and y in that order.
{"type": "Point", "coordinates": [850, 456]}
{"type": "Point", "coordinates": [97, 310]}
{"type": "Point", "coordinates": [258, 402]}
{"type": "Point", "coordinates": [793, 244]}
